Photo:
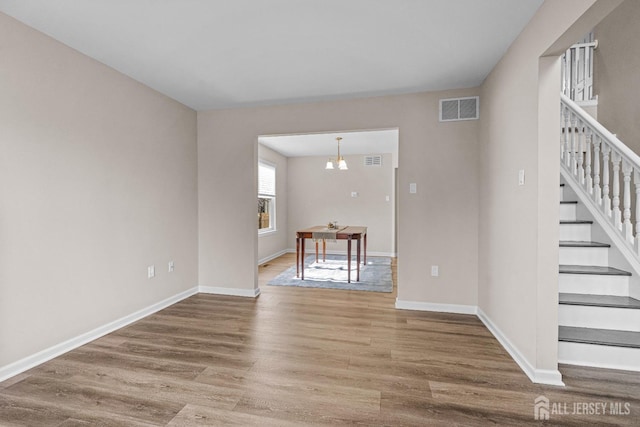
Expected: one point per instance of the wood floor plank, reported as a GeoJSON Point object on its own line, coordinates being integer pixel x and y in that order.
{"type": "Point", "coordinates": [201, 416]}
{"type": "Point", "coordinates": [300, 356]}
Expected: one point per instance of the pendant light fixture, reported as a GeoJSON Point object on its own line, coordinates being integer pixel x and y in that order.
{"type": "Point", "coordinates": [341, 163]}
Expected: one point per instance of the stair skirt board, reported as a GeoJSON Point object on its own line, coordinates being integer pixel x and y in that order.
{"type": "Point", "coordinates": [584, 256]}
{"type": "Point", "coordinates": [579, 231]}
{"type": "Point", "coordinates": [568, 211]}
{"type": "Point", "coordinates": [594, 284]}
{"type": "Point", "coordinates": [599, 356]}
{"type": "Point", "coordinates": [581, 316]}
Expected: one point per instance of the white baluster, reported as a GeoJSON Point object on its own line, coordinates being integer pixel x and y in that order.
{"type": "Point", "coordinates": [580, 153]}
{"type": "Point", "coordinates": [587, 162]}
{"type": "Point", "coordinates": [606, 201]}
{"type": "Point", "coordinates": [627, 228]}
{"type": "Point", "coordinates": [636, 181]}
{"type": "Point", "coordinates": [567, 146]}
{"type": "Point", "coordinates": [615, 201]}
{"type": "Point", "coordinates": [572, 128]}
{"type": "Point", "coordinates": [597, 191]}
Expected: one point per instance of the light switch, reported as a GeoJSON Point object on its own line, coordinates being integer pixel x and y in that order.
{"type": "Point", "coordinates": [151, 271]}
{"type": "Point", "coordinates": [435, 271]}
{"type": "Point", "coordinates": [521, 177]}
{"type": "Point", "coordinates": [171, 266]}
{"type": "Point", "coordinates": [413, 188]}
{"type": "Point", "coordinates": [354, 194]}
{"type": "Point", "coordinates": [387, 198]}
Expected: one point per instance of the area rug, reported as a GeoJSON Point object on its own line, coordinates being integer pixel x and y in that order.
{"type": "Point", "coordinates": [375, 276]}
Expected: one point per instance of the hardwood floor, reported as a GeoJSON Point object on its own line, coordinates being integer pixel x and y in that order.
{"type": "Point", "coordinates": [299, 356]}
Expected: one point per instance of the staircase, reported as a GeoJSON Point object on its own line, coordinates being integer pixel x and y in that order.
{"type": "Point", "coordinates": [599, 280]}
{"type": "Point", "coordinates": [599, 323]}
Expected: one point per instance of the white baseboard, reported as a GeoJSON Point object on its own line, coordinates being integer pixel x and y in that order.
{"type": "Point", "coordinates": [45, 355]}
{"type": "Point", "coordinates": [540, 376]}
{"type": "Point", "coordinates": [274, 256]}
{"type": "Point", "coordinates": [251, 293]}
{"type": "Point", "coordinates": [441, 308]}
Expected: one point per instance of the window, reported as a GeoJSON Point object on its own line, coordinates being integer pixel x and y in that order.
{"type": "Point", "coordinates": [266, 197]}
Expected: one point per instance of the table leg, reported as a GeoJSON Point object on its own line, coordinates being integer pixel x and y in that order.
{"type": "Point", "coordinates": [316, 250]}
{"type": "Point", "coordinates": [365, 248]}
{"type": "Point", "coordinates": [297, 256]}
{"type": "Point", "coordinates": [324, 250]}
{"type": "Point", "coordinates": [302, 257]}
{"type": "Point", "coordinates": [358, 261]}
{"type": "Point", "coordinates": [349, 259]}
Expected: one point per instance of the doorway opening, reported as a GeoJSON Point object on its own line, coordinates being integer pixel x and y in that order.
{"type": "Point", "coordinates": [309, 193]}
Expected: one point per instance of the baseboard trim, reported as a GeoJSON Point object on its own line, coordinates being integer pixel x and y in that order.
{"type": "Point", "coordinates": [539, 376]}
{"type": "Point", "coordinates": [274, 256]}
{"type": "Point", "coordinates": [250, 293]}
{"type": "Point", "coordinates": [441, 308]}
{"type": "Point", "coordinates": [47, 354]}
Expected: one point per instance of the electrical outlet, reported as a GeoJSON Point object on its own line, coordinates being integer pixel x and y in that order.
{"type": "Point", "coordinates": [151, 271]}
{"type": "Point", "coordinates": [171, 266]}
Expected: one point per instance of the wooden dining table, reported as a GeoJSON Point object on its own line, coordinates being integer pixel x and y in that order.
{"type": "Point", "coordinates": [348, 233]}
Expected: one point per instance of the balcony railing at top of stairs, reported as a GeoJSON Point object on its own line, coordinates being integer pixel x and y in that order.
{"type": "Point", "coordinates": [577, 72]}
{"type": "Point", "coordinates": [598, 163]}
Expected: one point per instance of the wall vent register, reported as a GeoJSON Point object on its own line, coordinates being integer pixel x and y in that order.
{"type": "Point", "coordinates": [373, 160]}
{"type": "Point", "coordinates": [455, 109]}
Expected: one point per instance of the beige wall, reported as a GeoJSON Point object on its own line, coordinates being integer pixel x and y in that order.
{"type": "Point", "coordinates": [317, 196]}
{"type": "Point", "coordinates": [275, 243]}
{"type": "Point", "coordinates": [438, 225]}
{"type": "Point", "coordinates": [518, 277]}
{"type": "Point", "coordinates": [97, 181]}
{"type": "Point", "coordinates": [616, 65]}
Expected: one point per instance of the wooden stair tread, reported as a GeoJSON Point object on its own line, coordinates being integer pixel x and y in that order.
{"type": "Point", "coordinates": [606, 337]}
{"type": "Point", "coordinates": [577, 221]}
{"type": "Point", "coordinates": [581, 244]}
{"type": "Point", "coordinates": [569, 202]}
{"type": "Point", "coordinates": [592, 269]}
{"type": "Point", "coordinates": [599, 301]}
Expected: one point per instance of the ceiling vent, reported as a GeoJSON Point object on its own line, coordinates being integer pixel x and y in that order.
{"type": "Point", "coordinates": [455, 109]}
{"type": "Point", "coordinates": [373, 160]}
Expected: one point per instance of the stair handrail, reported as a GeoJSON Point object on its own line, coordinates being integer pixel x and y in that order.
{"type": "Point", "coordinates": [604, 133]}
{"type": "Point", "coordinates": [584, 143]}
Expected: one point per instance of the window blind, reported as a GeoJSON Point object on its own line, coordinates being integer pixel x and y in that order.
{"type": "Point", "coordinates": [266, 180]}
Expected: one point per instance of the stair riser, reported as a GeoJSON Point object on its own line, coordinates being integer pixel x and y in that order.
{"type": "Point", "coordinates": [579, 232]}
{"type": "Point", "coordinates": [584, 256]}
{"type": "Point", "coordinates": [599, 356]}
{"type": "Point", "coordinates": [562, 194]}
{"type": "Point", "coordinates": [622, 319]}
{"type": "Point", "coordinates": [568, 212]}
{"type": "Point", "coordinates": [594, 284]}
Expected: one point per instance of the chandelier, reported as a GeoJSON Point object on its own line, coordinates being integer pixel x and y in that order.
{"type": "Point", "coordinates": [341, 163]}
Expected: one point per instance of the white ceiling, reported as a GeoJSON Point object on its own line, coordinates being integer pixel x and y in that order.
{"type": "Point", "coordinates": [325, 144]}
{"type": "Point", "coordinates": [227, 53]}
